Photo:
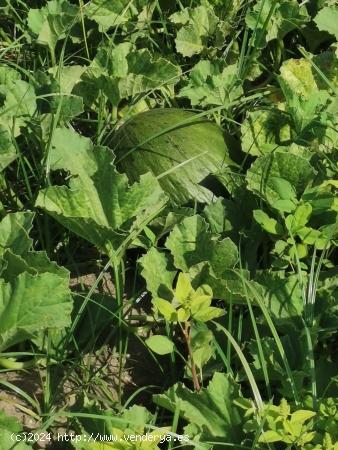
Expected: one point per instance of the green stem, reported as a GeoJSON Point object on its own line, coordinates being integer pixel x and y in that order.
{"type": "Point", "coordinates": [187, 336]}
{"type": "Point", "coordinates": [119, 299]}
{"type": "Point", "coordinates": [52, 56]}
{"type": "Point", "coordinates": [13, 364]}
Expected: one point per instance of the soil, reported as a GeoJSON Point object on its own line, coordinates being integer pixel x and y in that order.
{"type": "Point", "coordinates": [139, 371]}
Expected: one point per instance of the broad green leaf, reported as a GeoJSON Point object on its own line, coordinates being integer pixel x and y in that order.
{"type": "Point", "coordinates": [31, 262]}
{"type": "Point", "coordinates": [191, 242]}
{"type": "Point", "coordinates": [284, 189]}
{"type": "Point", "coordinates": [18, 103]}
{"type": "Point", "coordinates": [304, 110]}
{"type": "Point", "coordinates": [305, 77]}
{"type": "Point", "coordinates": [212, 83]}
{"type": "Point", "coordinates": [294, 169]}
{"type": "Point", "coordinates": [145, 75]}
{"type": "Point", "coordinates": [211, 410]}
{"type": "Point", "coordinates": [273, 20]}
{"type": "Point", "coordinates": [202, 340]}
{"type": "Point", "coordinates": [8, 75]}
{"type": "Point", "coordinates": [188, 41]}
{"type": "Point", "coordinates": [204, 314]}
{"type": "Point", "coordinates": [9, 427]}
{"type": "Point", "coordinates": [15, 249]}
{"type": "Point", "coordinates": [158, 273]}
{"type": "Point", "coordinates": [283, 298]}
{"type": "Point", "coordinates": [161, 345]}
{"type": "Point", "coordinates": [183, 288]}
{"type": "Point", "coordinates": [61, 81]}
{"type": "Point", "coordinates": [325, 70]}
{"type": "Point", "coordinates": [67, 76]}
{"type": "Point", "coordinates": [50, 98]}
{"type": "Point", "coordinates": [72, 152]}
{"type": "Point", "coordinates": [52, 22]}
{"type": "Point", "coordinates": [228, 287]}
{"type": "Point", "coordinates": [270, 436]}
{"type": "Point", "coordinates": [113, 60]}
{"type": "Point", "coordinates": [103, 209]}
{"type": "Point", "coordinates": [167, 310]}
{"type": "Point", "coordinates": [267, 223]}
{"type": "Point", "coordinates": [263, 131]}
{"type": "Point", "coordinates": [31, 304]}
{"type": "Point", "coordinates": [197, 301]}
{"type": "Point", "coordinates": [125, 426]}
{"type": "Point", "coordinates": [222, 216]}
{"type": "Point", "coordinates": [302, 415]}
{"type": "Point", "coordinates": [182, 315]}
{"type": "Point", "coordinates": [306, 84]}
{"type": "Point", "coordinates": [125, 71]}
{"type": "Point", "coordinates": [272, 358]}
{"type": "Point", "coordinates": [299, 76]}
{"type": "Point", "coordinates": [299, 218]}
{"type": "Point", "coordinates": [327, 20]}
{"type": "Point", "coordinates": [7, 150]}
{"type": "Point", "coordinates": [196, 27]}
{"type": "Point", "coordinates": [14, 232]}
{"type": "Point", "coordinates": [108, 14]}
{"type": "Point", "coordinates": [314, 237]}
{"type": "Point", "coordinates": [175, 145]}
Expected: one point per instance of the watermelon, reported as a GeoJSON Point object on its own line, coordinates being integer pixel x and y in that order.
{"type": "Point", "coordinates": [178, 146]}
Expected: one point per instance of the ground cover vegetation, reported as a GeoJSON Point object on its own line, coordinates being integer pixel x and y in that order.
{"type": "Point", "coordinates": [168, 203]}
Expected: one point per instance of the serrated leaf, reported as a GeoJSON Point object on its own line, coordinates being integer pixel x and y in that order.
{"type": "Point", "coordinates": [161, 345]}
{"type": "Point", "coordinates": [271, 20]}
{"type": "Point", "coordinates": [283, 298]}
{"type": "Point", "coordinates": [188, 41]}
{"type": "Point", "coordinates": [103, 209]}
{"type": "Point", "coordinates": [158, 273]}
{"type": "Point", "coordinates": [294, 169]}
{"type": "Point", "coordinates": [112, 14]}
{"type": "Point", "coordinates": [197, 25]}
{"type": "Point", "coordinates": [31, 262]}
{"type": "Point", "coordinates": [61, 82]}
{"type": "Point", "coordinates": [211, 410]}
{"type": "Point", "coordinates": [265, 131]}
{"type": "Point", "coordinates": [190, 243]}
{"type": "Point", "coordinates": [228, 287]}
{"type": "Point", "coordinates": [125, 71]}
{"type": "Point", "coordinates": [72, 152]}
{"type": "Point", "coordinates": [307, 84]}
{"type": "Point", "coordinates": [14, 232]}
{"type": "Point", "coordinates": [212, 83]}
{"type": "Point", "coordinates": [7, 150]}
{"type": "Point", "coordinates": [9, 427]}
{"type": "Point", "coordinates": [30, 304]}
{"type": "Point", "coordinates": [327, 20]}
{"type": "Point", "coordinates": [51, 22]}
{"type": "Point", "coordinates": [18, 103]}
{"type": "Point", "coordinates": [222, 216]}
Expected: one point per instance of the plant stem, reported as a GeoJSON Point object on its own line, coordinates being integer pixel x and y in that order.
{"type": "Point", "coordinates": [187, 336]}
